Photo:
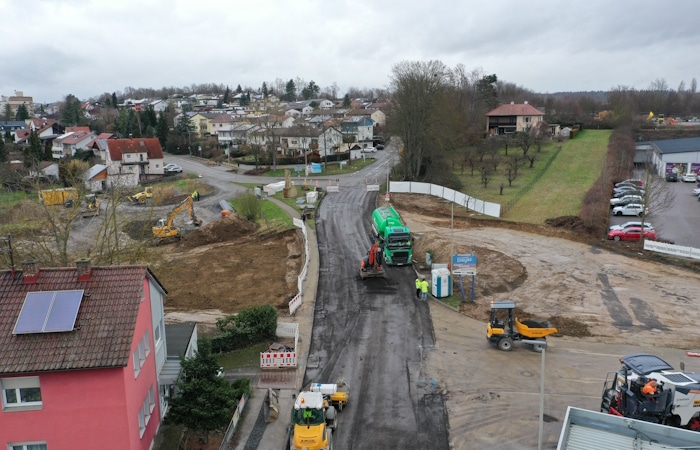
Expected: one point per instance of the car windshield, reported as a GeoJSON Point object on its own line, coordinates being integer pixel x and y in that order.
{"type": "Point", "coordinates": [308, 416]}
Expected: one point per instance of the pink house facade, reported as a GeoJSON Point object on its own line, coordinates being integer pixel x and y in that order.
{"type": "Point", "coordinates": [81, 351]}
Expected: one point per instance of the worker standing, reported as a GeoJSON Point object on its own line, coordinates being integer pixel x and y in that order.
{"type": "Point", "coordinates": [424, 289]}
{"type": "Point", "coordinates": [418, 283]}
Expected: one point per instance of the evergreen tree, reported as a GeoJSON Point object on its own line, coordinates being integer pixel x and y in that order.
{"type": "Point", "coordinates": [33, 153]}
{"type": "Point", "coordinates": [346, 101]}
{"type": "Point", "coordinates": [204, 401]}
{"type": "Point", "coordinates": [291, 91]}
{"type": "Point", "coordinates": [7, 115]}
{"type": "Point", "coordinates": [22, 113]}
{"type": "Point", "coordinates": [3, 151]}
{"type": "Point", "coordinates": [70, 113]}
{"type": "Point", "coordinates": [239, 89]}
{"type": "Point", "coordinates": [227, 96]}
{"type": "Point", "coordinates": [265, 92]}
{"type": "Point", "coordinates": [115, 102]}
{"type": "Point", "coordinates": [162, 129]}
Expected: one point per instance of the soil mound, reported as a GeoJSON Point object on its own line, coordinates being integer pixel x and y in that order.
{"type": "Point", "coordinates": [568, 222]}
{"type": "Point", "coordinates": [225, 229]}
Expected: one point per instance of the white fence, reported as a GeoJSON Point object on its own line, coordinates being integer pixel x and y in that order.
{"type": "Point", "coordinates": [295, 303]}
{"type": "Point", "coordinates": [671, 249]}
{"type": "Point", "coordinates": [474, 204]}
{"type": "Point", "coordinates": [234, 422]}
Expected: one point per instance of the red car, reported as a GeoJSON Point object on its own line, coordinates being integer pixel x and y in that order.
{"type": "Point", "coordinates": [631, 234]}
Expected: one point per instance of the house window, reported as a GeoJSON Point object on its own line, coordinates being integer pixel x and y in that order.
{"type": "Point", "coordinates": [156, 332]}
{"type": "Point", "coordinates": [21, 394]}
{"type": "Point", "coordinates": [140, 353]}
{"type": "Point", "coordinates": [146, 411]}
{"type": "Point", "coordinates": [28, 446]}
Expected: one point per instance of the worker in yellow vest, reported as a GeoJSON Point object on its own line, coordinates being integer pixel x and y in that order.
{"type": "Point", "coordinates": [424, 286]}
{"type": "Point", "coordinates": [418, 280]}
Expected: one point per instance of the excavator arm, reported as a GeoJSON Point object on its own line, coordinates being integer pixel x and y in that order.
{"type": "Point", "coordinates": [166, 229]}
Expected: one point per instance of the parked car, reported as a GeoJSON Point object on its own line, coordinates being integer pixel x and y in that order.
{"type": "Point", "coordinates": [672, 176]}
{"type": "Point", "coordinates": [633, 209]}
{"type": "Point", "coordinates": [690, 178]}
{"type": "Point", "coordinates": [631, 234]}
{"type": "Point", "coordinates": [379, 147]}
{"type": "Point", "coordinates": [370, 150]}
{"type": "Point", "coordinates": [696, 191]}
{"type": "Point", "coordinates": [626, 200]}
{"type": "Point", "coordinates": [634, 223]}
{"type": "Point", "coordinates": [638, 183]}
{"type": "Point", "coordinates": [632, 191]}
{"type": "Point", "coordinates": [172, 168]}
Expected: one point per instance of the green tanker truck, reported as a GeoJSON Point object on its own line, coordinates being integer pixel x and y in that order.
{"type": "Point", "coordinates": [393, 235]}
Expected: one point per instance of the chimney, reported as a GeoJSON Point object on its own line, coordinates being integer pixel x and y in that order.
{"type": "Point", "coordinates": [30, 271]}
{"type": "Point", "coordinates": [84, 269]}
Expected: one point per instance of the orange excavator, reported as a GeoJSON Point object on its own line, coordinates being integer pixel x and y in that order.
{"type": "Point", "coordinates": [371, 265]}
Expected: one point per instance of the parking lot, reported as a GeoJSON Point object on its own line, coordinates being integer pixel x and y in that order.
{"type": "Point", "coordinates": [679, 222]}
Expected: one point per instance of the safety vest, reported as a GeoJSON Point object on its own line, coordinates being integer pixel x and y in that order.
{"type": "Point", "coordinates": [418, 283]}
{"type": "Point", "coordinates": [424, 286]}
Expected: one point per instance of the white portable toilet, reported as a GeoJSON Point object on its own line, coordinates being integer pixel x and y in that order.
{"type": "Point", "coordinates": [441, 282]}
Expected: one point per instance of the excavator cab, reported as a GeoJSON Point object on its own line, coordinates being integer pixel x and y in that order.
{"type": "Point", "coordinates": [165, 230]}
{"type": "Point", "coordinates": [371, 265]}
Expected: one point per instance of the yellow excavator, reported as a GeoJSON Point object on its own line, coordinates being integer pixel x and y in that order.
{"type": "Point", "coordinates": [142, 197]}
{"type": "Point", "coordinates": [165, 231]}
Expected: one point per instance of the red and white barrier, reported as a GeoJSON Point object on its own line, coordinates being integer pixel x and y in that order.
{"type": "Point", "coordinates": [278, 359]}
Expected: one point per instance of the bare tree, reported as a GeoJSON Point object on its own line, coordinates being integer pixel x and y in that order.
{"type": "Point", "coordinates": [513, 165]}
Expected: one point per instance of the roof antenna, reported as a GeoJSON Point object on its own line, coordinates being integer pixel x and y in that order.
{"type": "Point", "coordinates": [8, 239]}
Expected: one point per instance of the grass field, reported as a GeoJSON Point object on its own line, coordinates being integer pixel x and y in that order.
{"type": "Point", "coordinates": [560, 190]}
{"type": "Point", "coordinates": [554, 187]}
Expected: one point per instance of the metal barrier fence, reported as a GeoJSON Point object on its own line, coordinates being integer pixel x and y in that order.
{"type": "Point", "coordinates": [474, 204]}
{"type": "Point", "coordinates": [234, 422]}
{"type": "Point", "coordinates": [295, 303]}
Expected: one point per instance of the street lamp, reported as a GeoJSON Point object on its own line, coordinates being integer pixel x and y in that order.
{"type": "Point", "coordinates": [543, 345]}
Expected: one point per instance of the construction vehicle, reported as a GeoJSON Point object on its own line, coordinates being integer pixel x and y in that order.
{"type": "Point", "coordinates": [61, 196]}
{"type": "Point", "coordinates": [165, 231]}
{"type": "Point", "coordinates": [503, 328]}
{"type": "Point", "coordinates": [143, 196]}
{"type": "Point", "coordinates": [371, 265]}
{"type": "Point", "coordinates": [672, 399]}
{"type": "Point", "coordinates": [314, 416]}
{"type": "Point", "coordinates": [92, 206]}
{"type": "Point", "coordinates": [393, 235]}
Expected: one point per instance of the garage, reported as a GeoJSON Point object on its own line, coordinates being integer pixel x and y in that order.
{"type": "Point", "coordinates": [681, 156]}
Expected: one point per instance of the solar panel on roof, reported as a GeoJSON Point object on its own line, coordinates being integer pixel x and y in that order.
{"type": "Point", "coordinates": [34, 311]}
{"type": "Point", "coordinates": [63, 311]}
{"type": "Point", "coordinates": [48, 311]}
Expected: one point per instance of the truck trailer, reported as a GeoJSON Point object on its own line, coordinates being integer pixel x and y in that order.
{"type": "Point", "coordinates": [393, 235]}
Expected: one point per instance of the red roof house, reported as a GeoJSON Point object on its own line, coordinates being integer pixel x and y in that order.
{"type": "Point", "coordinates": [81, 350]}
{"type": "Point", "coordinates": [512, 117]}
{"type": "Point", "coordinates": [132, 160]}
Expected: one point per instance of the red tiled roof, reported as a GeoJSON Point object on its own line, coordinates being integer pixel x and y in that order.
{"type": "Point", "coordinates": [520, 109]}
{"type": "Point", "coordinates": [101, 136]}
{"type": "Point", "coordinates": [117, 147]}
{"type": "Point", "coordinates": [78, 129]}
{"type": "Point", "coordinates": [103, 329]}
{"type": "Point", "coordinates": [76, 137]}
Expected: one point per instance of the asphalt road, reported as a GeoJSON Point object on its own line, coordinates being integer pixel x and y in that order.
{"type": "Point", "coordinates": [373, 333]}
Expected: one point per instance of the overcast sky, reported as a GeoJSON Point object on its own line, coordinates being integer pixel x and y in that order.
{"type": "Point", "coordinates": [52, 48]}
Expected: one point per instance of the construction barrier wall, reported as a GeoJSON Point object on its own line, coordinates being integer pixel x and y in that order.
{"type": "Point", "coordinates": [474, 204]}
{"type": "Point", "coordinates": [271, 359]}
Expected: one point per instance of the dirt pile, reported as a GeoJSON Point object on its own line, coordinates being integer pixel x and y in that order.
{"type": "Point", "coordinates": [226, 229]}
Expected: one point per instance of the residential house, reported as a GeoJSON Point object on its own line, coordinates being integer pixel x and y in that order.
{"type": "Point", "coordinates": [10, 126]}
{"type": "Point", "coordinates": [96, 178]}
{"type": "Point", "coordinates": [377, 115]}
{"type": "Point", "coordinates": [135, 104]}
{"type": "Point", "coordinates": [130, 161]}
{"type": "Point", "coordinates": [81, 353]}
{"type": "Point", "coordinates": [200, 122]}
{"type": "Point", "coordinates": [512, 117]}
{"type": "Point", "coordinates": [235, 134]}
{"type": "Point", "coordinates": [361, 127]}
{"type": "Point", "coordinates": [158, 105]}
{"type": "Point", "coordinates": [99, 145]}
{"type": "Point", "coordinates": [222, 120]}
{"type": "Point", "coordinates": [329, 141]}
{"type": "Point", "coordinates": [181, 340]}
{"type": "Point", "coordinates": [46, 129]}
{"type": "Point", "coordinates": [75, 138]}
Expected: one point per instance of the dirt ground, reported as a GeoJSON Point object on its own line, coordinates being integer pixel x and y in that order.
{"type": "Point", "coordinates": [226, 266]}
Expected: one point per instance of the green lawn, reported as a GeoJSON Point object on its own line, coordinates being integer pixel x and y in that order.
{"type": "Point", "coordinates": [331, 168]}
{"type": "Point", "coordinates": [560, 190]}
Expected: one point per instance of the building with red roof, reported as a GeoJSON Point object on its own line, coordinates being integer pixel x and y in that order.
{"type": "Point", "coordinates": [130, 161]}
{"type": "Point", "coordinates": [513, 117]}
{"type": "Point", "coordinates": [81, 353]}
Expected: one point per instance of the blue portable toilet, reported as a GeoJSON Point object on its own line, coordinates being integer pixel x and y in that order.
{"type": "Point", "coordinates": [441, 282]}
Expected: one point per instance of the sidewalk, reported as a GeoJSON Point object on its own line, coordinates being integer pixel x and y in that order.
{"type": "Point", "coordinates": [275, 435]}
